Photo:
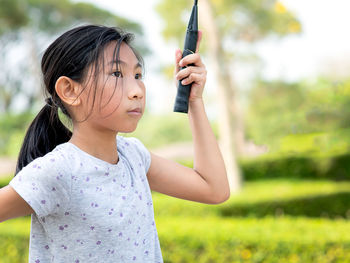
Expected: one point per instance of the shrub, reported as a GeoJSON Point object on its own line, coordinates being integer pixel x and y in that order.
{"type": "Point", "coordinates": [266, 240]}
{"type": "Point", "coordinates": [13, 127]}
{"type": "Point", "coordinates": [156, 131]}
{"type": "Point", "coordinates": [14, 240]}
{"type": "Point", "coordinates": [4, 180]}
{"type": "Point", "coordinates": [213, 239]}
{"type": "Point", "coordinates": [13, 248]}
{"type": "Point", "coordinates": [332, 167]}
{"type": "Point", "coordinates": [330, 206]}
{"type": "Point", "coordinates": [268, 198]}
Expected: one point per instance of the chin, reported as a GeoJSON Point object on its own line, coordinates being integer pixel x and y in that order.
{"type": "Point", "coordinates": [128, 130]}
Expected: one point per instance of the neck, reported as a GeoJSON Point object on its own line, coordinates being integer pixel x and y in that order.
{"type": "Point", "coordinates": [99, 143]}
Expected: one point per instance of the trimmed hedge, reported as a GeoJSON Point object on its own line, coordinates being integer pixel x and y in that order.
{"type": "Point", "coordinates": [13, 127]}
{"type": "Point", "coordinates": [193, 232]}
{"type": "Point", "coordinates": [305, 198]}
{"type": "Point", "coordinates": [328, 206]}
{"type": "Point", "coordinates": [4, 180]}
{"type": "Point", "coordinates": [14, 248]}
{"type": "Point", "coordinates": [14, 240]}
{"type": "Point", "coordinates": [213, 239]}
{"type": "Point", "coordinates": [333, 167]}
{"type": "Point", "coordinates": [266, 240]}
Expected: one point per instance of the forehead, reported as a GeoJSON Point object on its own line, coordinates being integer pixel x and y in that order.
{"type": "Point", "coordinates": [125, 53]}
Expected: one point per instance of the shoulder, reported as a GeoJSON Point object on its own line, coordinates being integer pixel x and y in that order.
{"type": "Point", "coordinates": [56, 159]}
{"type": "Point", "coordinates": [134, 150]}
{"type": "Point", "coordinates": [130, 143]}
{"type": "Point", "coordinates": [53, 163]}
{"type": "Point", "coordinates": [45, 182]}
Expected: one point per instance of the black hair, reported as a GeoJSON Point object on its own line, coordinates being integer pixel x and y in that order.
{"type": "Point", "coordinates": [69, 55]}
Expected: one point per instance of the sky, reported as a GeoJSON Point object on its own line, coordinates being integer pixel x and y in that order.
{"type": "Point", "coordinates": [323, 45]}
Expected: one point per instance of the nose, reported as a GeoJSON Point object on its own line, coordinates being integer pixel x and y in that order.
{"type": "Point", "coordinates": [136, 89]}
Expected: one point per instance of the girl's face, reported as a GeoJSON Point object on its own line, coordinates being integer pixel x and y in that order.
{"type": "Point", "coordinates": [120, 92]}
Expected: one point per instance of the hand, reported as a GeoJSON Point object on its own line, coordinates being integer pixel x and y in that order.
{"type": "Point", "coordinates": [197, 74]}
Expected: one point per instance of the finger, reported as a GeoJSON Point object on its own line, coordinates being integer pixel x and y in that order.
{"type": "Point", "coordinates": [183, 73]}
{"type": "Point", "coordinates": [191, 59]}
{"type": "Point", "coordinates": [193, 78]}
{"type": "Point", "coordinates": [178, 56]}
{"type": "Point", "coordinates": [200, 35]}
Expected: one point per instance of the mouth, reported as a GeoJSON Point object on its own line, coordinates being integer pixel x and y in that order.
{"type": "Point", "coordinates": [135, 112]}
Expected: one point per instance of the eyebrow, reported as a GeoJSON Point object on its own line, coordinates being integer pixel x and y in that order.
{"type": "Point", "coordinates": [137, 65]}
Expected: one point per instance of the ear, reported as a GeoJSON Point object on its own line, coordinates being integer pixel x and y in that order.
{"type": "Point", "coordinates": [68, 90]}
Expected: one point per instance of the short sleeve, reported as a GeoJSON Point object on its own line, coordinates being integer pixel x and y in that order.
{"type": "Point", "coordinates": [142, 151]}
{"type": "Point", "coordinates": [45, 184]}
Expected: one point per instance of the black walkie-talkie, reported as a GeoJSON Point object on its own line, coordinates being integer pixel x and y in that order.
{"type": "Point", "coordinates": [183, 92]}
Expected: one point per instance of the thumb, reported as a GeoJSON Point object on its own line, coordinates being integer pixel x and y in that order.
{"type": "Point", "coordinates": [200, 35]}
{"type": "Point", "coordinates": [178, 57]}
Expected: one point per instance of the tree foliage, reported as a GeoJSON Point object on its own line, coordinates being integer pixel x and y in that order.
{"type": "Point", "coordinates": [237, 20]}
{"type": "Point", "coordinates": [51, 16]}
{"type": "Point", "coordinates": [278, 108]}
{"type": "Point", "coordinates": [32, 23]}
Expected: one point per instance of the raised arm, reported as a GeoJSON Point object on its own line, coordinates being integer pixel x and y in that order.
{"type": "Point", "coordinates": [12, 204]}
{"type": "Point", "coordinates": [207, 181]}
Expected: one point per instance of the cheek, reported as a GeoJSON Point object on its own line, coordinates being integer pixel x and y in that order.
{"type": "Point", "coordinates": [109, 98]}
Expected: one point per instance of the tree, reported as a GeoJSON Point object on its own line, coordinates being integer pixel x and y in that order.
{"type": "Point", "coordinates": [225, 23]}
{"type": "Point", "coordinates": [32, 23]}
{"type": "Point", "coordinates": [300, 108]}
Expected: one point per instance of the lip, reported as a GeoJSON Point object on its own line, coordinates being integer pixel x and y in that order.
{"type": "Point", "coordinates": [135, 111]}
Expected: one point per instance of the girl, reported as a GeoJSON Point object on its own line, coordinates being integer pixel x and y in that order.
{"type": "Point", "coordinates": [89, 191]}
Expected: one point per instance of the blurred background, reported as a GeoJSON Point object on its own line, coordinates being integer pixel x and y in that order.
{"type": "Point", "coordinates": [278, 98]}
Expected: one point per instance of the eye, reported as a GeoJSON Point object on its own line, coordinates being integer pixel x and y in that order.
{"type": "Point", "coordinates": [138, 76]}
{"type": "Point", "coordinates": [117, 74]}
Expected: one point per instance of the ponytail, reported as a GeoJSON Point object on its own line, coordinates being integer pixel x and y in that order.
{"type": "Point", "coordinates": [43, 135]}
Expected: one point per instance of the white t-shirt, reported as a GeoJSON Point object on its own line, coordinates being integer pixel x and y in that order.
{"type": "Point", "coordinates": [88, 210]}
